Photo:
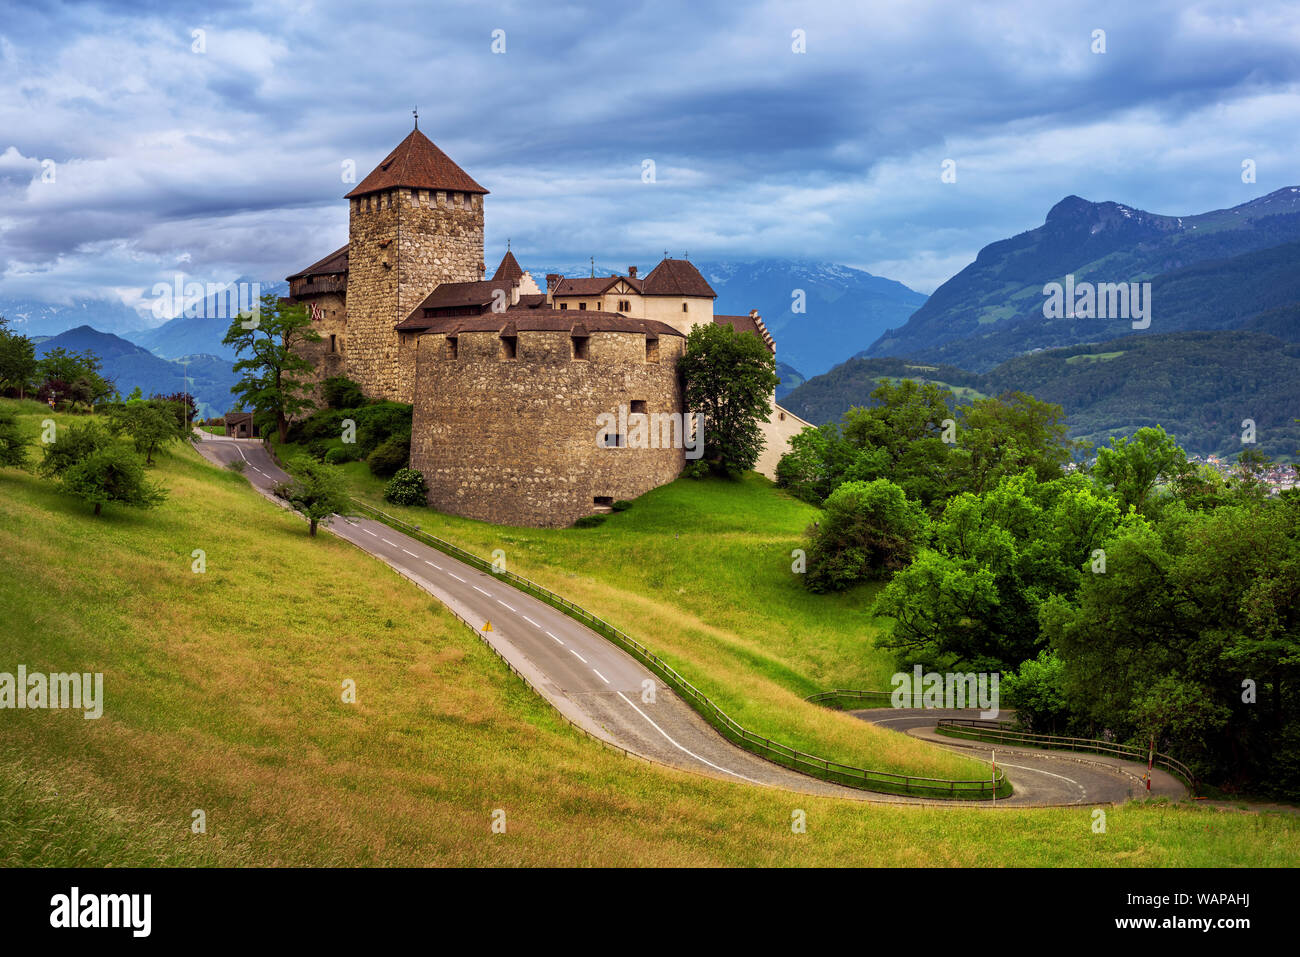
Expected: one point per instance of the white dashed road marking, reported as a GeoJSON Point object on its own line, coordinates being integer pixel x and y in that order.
{"type": "Point", "coordinates": [455, 576]}
{"type": "Point", "coordinates": [529, 620]}
{"type": "Point", "coordinates": [427, 562]}
{"type": "Point", "coordinates": [678, 746]}
{"type": "Point", "coordinates": [500, 602]}
{"type": "Point", "coordinates": [600, 676]}
{"type": "Point", "coordinates": [557, 640]}
{"type": "Point", "coordinates": [578, 656]}
{"type": "Point", "coordinates": [412, 554]}
{"type": "Point", "coordinates": [476, 588]}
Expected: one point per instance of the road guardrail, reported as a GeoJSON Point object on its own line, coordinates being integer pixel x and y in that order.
{"type": "Point", "coordinates": [885, 782]}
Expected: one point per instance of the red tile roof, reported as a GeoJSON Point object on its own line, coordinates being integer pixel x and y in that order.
{"type": "Point", "coordinates": [751, 323]}
{"type": "Point", "coordinates": [335, 262]}
{"type": "Point", "coordinates": [677, 277]}
{"type": "Point", "coordinates": [509, 270]}
{"type": "Point", "coordinates": [418, 164]}
{"type": "Point", "coordinates": [454, 295]}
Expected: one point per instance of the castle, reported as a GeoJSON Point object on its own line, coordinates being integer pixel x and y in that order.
{"type": "Point", "coordinates": [508, 379]}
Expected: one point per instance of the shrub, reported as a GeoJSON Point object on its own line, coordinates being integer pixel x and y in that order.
{"type": "Point", "coordinates": [697, 470]}
{"type": "Point", "coordinates": [237, 465]}
{"type": "Point", "coordinates": [622, 505]}
{"type": "Point", "coordinates": [589, 521]}
{"type": "Point", "coordinates": [318, 449]}
{"type": "Point", "coordinates": [339, 454]}
{"type": "Point", "coordinates": [406, 488]}
{"type": "Point", "coordinates": [392, 455]}
{"type": "Point", "coordinates": [340, 392]}
{"type": "Point", "coordinates": [869, 530]}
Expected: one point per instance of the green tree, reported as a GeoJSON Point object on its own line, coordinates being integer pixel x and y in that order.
{"type": "Point", "coordinates": [13, 443]}
{"type": "Point", "coordinates": [972, 598]}
{"type": "Point", "coordinates": [730, 378]}
{"type": "Point", "coordinates": [1005, 435]}
{"type": "Point", "coordinates": [17, 361]}
{"type": "Point", "coordinates": [867, 531]}
{"type": "Point", "coordinates": [81, 371]}
{"type": "Point", "coordinates": [151, 425]}
{"type": "Point", "coordinates": [72, 444]}
{"type": "Point", "coordinates": [111, 475]}
{"type": "Point", "coordinates": [274, 372]}
{"type": "Point", "coordinates": [1131, 467]}
{"type": "Point", "coordinates": [316, 490]}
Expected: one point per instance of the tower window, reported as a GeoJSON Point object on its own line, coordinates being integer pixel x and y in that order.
{"type": "Point", "coordinates": [637, 407]}
{"type": "Point", "coordinates": [564, 305]}
{"type": "Point", "coordinates": [509, 347]}
{"type": "Point", "coordinates": [683, 307]}
{"type": "Point", "coordinates": [624, 305]}
{"type": "Point", "coordinates": [651, 349]}
{"type": "Point", "coordinates": [580, 348]}
{"type": "Point", "coordinates": [451, 347]}
{"type": "Point", "coordinates": [334, 343]}
{"type": "Point", "coordinates": [582, 305]}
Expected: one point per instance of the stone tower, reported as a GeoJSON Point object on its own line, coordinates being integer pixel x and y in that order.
{"type": "Point", "coordinates": [416, 221]}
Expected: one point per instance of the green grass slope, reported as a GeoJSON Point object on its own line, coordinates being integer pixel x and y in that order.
{"type": "Point", "coordinates": [223, 694]}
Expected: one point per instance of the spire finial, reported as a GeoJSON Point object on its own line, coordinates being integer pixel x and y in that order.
{"type": "Point", "coordinates": [507, 244]}
{"type": "Point", "coordinates": [416, 113]}
{"type": "Point", "coordinates": [593, 267]}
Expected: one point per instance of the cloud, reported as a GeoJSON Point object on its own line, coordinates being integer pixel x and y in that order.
{"type": "Point", "coordinates": [227, 162]}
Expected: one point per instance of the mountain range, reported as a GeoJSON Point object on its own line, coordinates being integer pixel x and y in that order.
{"type": "Point", "coordinates": [207, 377]}
{"type": "Point", "coordinates": [1235, 268]}
{"type": "Point", "coordinates": [1200, 386]}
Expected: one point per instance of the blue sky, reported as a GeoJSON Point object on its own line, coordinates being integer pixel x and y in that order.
{"type": "Point", "coordinates": [228, 162]}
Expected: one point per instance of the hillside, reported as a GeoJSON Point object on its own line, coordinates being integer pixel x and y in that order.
{"type": "Point", "coordinates": [207, 378]}
{"type": "Point", "coordinates": [791, 378]}
{"type": "Point", "coordinates": [1223, 269]}
{"type": "Point", "coordinates": [1198, 385]}
{"type": "Point", "coordinates": [846, 309]}
{"type": "Point", "coordinates": [441, 733]}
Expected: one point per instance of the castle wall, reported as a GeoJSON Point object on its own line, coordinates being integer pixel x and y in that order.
{"type": "Point", "coordinates": [668, 309]}
{"type": "Point", "coordinates": [402, 244]}
{"type": "Point", "coordinates": [333, 321]}
{"type": "Point", "coordinates": [777, 433]}
{"type": "Point", "coordinates": [514, 441]}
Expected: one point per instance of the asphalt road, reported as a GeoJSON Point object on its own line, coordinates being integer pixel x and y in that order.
{"type": "Point", "coordinates": [1039, 777]}
{"type": "Point", "coordinates": [600, 687]}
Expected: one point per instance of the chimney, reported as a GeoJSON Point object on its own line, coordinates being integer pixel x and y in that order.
{"type": "Point", "coordinates": [631, 272]}
{"type": "Point", "coordinates": [552, 281]}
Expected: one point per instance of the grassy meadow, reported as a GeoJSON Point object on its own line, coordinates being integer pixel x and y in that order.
{"type": "Point", "coordinates": [223, 693]}
{"type": "Point", "coordinates": [700, 572]}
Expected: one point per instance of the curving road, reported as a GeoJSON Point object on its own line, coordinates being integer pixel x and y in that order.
{"type": "Point", "coordinates": [1041, 778]}
{"type": "Point", "coordinates": [599, 687]}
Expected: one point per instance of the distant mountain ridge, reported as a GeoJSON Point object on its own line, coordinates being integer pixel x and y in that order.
{"type": "Point", "coordinates": [1199, 386]}
{"type": "Point", "coordinates": [1221, 269]}
{"type": "Point", "coordinates": [207, 377]}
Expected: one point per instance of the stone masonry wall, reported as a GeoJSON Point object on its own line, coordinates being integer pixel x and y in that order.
{"type": "Point", "coordinates": [514, 441]}
{"type": "Point", "coordinates": [402, 244]}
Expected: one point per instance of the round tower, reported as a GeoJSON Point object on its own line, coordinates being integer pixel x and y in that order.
{"type": "Point", "coordinates": [539, 417]}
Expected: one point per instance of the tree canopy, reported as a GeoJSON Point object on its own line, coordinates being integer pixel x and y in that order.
{"type": "Point", "coordinates": [730, 378]}
{"type": "Point", "coordinates": [275, 380]}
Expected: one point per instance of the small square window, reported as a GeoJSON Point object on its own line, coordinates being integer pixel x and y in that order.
{"type": "Point", "coordinates": [451, 347]}
{"type": "Point", "coordinates": [580, 348]}
{"type": "Point", "coordinates": [637, 407]}
{"type": "Point", "coordinates": [582, 305]}
{"type": "Point", "coordinates": [509, 347]}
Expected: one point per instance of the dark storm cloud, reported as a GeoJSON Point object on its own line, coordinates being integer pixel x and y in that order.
{"type": "Point", "coordinates": [228, 161]}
